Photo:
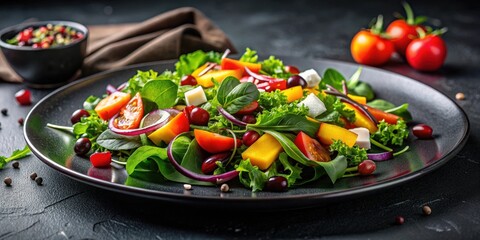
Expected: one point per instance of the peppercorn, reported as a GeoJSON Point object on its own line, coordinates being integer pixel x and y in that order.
{"type": "Point", "coordinates": [20, 121]}
{"type": "Point", "coordinates": [33, 176]}
{"type": "Point", "coordinates": [8, 181]}
{"type": "Point", "coordinates": [426, 210]}
{"type": "Point", "coordinates": [399, 220]}
{"type": "Point", "coordinates": [16, 164]}
{"type": "Point", "coordinates": [4, 112]}
{"type": "Point", "coordinates": [39, 181]}
{"type": "Point", "coordinates": [224, 188]}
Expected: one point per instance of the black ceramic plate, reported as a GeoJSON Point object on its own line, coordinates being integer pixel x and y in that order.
{"type": "Point", "coordinates": [427, 105]}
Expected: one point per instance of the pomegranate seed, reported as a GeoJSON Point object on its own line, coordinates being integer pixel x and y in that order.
{"type": "Point", "coordinates": [23, 97]}
{"type": "Point", "coordinates": [101, 159]}
{"type": "Point", "coordinates": [188, 80]}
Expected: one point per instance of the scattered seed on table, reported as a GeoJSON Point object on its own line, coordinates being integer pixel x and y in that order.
{"type": "Point", "coordinates": [460, 96]}
{"type": "Point", "coordinates": [16, 164]}
{"type": "Point", "coordinates": [187, 186]}
{"type": "Point", "coordinates": [4, 112]}
{"type": "Point", "coordinates": [426, 210]}
{"type": "Point", "coordinates": [224, 188]}
{"type": "Point", "coordinates": [399, 220]}
{"type": "Point", "coordinates": [33, 176]}
{"type": "Point", "coordinates": [8, 181]}
{"type": "Point", "coordinates": [39, 180]}
{"type": "Point", "coordinates": [20, 121]}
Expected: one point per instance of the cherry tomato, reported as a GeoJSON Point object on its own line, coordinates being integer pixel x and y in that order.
{"type": "Point", "coordinates": [311, 148]}
{"type": "Point", "coordinates": [366, 167]}
{"type": "Point", "coordinates": [249, 109]}
{"type": "Point", "coordinates": [188, 80]}
{"type": "Point", "coordinates": [369, 47]}
{"type": "Point", "coordinates": [24, 97]}
{"type": "Point", "coordinates": [78, 115]}
{"type": "Point", "coordinates": [422, 131]}
{"type": "Point", "coordinates": [213, 142]}
{"type": "Point", "coordinates": [131, 114]}
{"type": "Point", "coordinates": [292, 69]}
{"type": "Point", "coordinates": [403, 31]}
{"type": "Point", "coordinates": [199, 116]}
{"type": "Point", "coordinates": [427, 53]}
{"type": "Point", "coordinates": [101, 159]}
{"type": "Point", "coordinates": [250, 137]}
{"type": "Point", "coordinates": [112, 104]}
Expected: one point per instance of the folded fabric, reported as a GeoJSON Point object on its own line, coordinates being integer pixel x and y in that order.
{"type": "Point", "coordinates": [162, 37]}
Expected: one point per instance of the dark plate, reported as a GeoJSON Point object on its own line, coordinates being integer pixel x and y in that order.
{"type": "Point", "coordinates": [450, 124]}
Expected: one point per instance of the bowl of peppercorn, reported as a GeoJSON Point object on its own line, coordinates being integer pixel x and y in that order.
{"type": "Point", "coordinates": [45, 54]}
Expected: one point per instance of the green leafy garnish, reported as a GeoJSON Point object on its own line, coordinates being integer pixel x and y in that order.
{"type": "Point", "coordinates": [188, 63]}
{"type": "Point", "coordinates": [333, 78]}
{"type": "Point", "coordinates": [391, 134]}
{"type": "Point", "coordinates": [249, 56]}
{"type": "Point", "coordinates": [354, 155]}
{"type": "Point", "coordinates": [335, 110]}
{"type": "Point", "coordinates": [269, 100]}
{"type": "Point", "coordinates": [17, 154]}
{"type": "Point", "coordinates": [161, 92]}
{"type": "Point", "coordinates": [275, 68]}
{"type": "Point", "coordinates": [90, 127]}
{"type": "Point", "coordinates": [91, 102]}
{"type": "Point", "coordinates": [233, 95]}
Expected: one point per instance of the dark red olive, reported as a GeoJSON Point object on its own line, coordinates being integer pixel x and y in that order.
{"type": "Point", "coordinates": [78, 114]}
{"type": "Point", "coordinates": [276, 184]}
{"type": "Point", "coordinates": [249, 119]}
{"type": "Point", "coordinates": [422, 131]}
{"type": "Point", "coordinates": [296, 80]}
{"type": "Point", "coordinates": [210, 164]}
{"type": "Point", "coordinates": [366, 167]}
{"type": "Point", "coordinates": [250, 137]}
{"type": "Point", "coordinates": [188, 80]}
{"type": "Point", "coordinates": [292, 69]}
{"type": "Point", "coordinates": [82, 146]}
{"type": "Point", "coordinates": [199, 116]}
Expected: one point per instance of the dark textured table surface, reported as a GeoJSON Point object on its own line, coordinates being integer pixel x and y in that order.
{"type": "Point", "coordinates": [63, 208]}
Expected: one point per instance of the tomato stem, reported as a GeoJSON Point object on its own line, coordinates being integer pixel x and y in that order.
{"type": "Point", "coordinates": [408, 10]}
{"type": "Point", "coordinates": [380, 145]}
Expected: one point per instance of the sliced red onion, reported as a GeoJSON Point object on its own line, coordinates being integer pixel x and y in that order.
{"type": "Point", "coordinates": [134, 132]}
{"type": "Point", "coordinates": [344, 87]}
{"type": "Point", "coordinates": [359, 106]}
{"type": "Point", "coordinates": [111, 89]}
{"type": "Point", "coordinates": [216, 179]}
{"type": "Point", "coordinates": [380, 156]}
{"type": "Point", "coordinates": [259, 76]}
{"type": "Point", "coordinates": [207, 69]}
{"type": "Point", "coordinates": [122, 86]}
{"type": "Point", "coordinates": [231, 118]}
{"type": "Point", "coordinates": [172, 111]}
{"type": "Point", "coordinates": [225, 54]}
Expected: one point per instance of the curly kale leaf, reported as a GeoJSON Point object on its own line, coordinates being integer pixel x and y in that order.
{"type": "Point", "coordinates": [391, 134]}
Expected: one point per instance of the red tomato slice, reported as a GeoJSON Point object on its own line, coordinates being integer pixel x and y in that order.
{"type": "Point", "coordinates": [311, 148]}
{"type": "Point", "coordinates": [249, 109]}
{"type": "Point", "coordinates": [213, 142]}
{"type": "Point", "coordinates": [111, 105]}
{"type": "Point", "coordinates": [131, 114]}
{"type": "Point", "coordinates": [101, 159]}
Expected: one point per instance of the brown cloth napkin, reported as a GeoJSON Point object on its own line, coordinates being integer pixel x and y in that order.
{"type": "Point", "coordinates": [162, 37]}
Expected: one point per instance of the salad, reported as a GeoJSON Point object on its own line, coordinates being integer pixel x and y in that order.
{"type": "Point", "coordinates": [215, 119]}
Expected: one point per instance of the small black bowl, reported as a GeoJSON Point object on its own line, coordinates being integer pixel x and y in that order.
{"type": "Point", "coordinates": [44, 68]}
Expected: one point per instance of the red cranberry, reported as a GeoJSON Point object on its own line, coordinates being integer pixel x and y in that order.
{"type": "Point", "coordinates": [422, 131]}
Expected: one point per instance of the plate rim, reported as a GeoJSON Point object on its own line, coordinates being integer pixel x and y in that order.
{"type": "Point", "coordinates": [313, 197]}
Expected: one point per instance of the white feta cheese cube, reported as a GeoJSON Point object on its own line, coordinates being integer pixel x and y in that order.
{"type": "Point", "coordinates": [363, 139]}
{"type": "Point", "coordinates": [314, 104]}
{"type": "Point", "coordinates": [195, 96]}
{"type": "Point", "coordinates": [311, 77]}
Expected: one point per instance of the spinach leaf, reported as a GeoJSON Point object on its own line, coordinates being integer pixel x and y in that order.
{"type": "Point", "coordinates": [287, 122]}
{"type": "Point", "coordinates": [363, 89]}
{"type": "Point", "coordinates": [233, 95]}
{"type": "Point", "coordinates": [113, 141]}
{"type": "Point", "coordinates": [193, 158]}
{"type": "Point", "coordinates": [381, 104]}
{"type": "Point", "coordinates": [334, 168]}
{"type": "Point", "coordinates": [162, 92]}
{"type": "Point", "coordinates": [333, 78]}
{"type": "Point", "coordinates": [137, 81]}
{"type": "Point", "coordinates": [401, 111]}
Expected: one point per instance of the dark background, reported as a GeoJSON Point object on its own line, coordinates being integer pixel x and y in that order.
{"type": "Point", "coordinates": [64, 208]}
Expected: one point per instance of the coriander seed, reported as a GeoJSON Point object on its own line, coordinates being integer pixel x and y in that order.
{"type": "Point", "coordinates": [426, 210]}
{"type": "Point", "coordinates": [39, 181]}
{"type": "Point", "coordinates": [224, 188]}
{"type": "Point", "coordinates": [8, 181]}
{"type": "Point", "coordinates": [33, 176]}
{"type": "Point", "coordinates": [460, 96]}
{"type": "Point", "coordinates": [16, 164]}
